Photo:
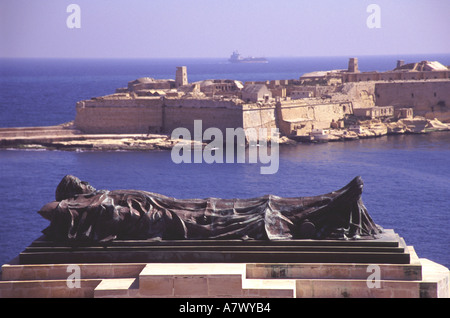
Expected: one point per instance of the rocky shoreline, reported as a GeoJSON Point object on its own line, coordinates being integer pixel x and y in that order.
{"type": "Point", "coordinates": [377, 128]}
{"type": "Point", "coordinates": [66, 137]}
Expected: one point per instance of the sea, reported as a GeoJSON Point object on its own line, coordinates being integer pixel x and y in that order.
{"type": "Point", "coordinates": [406, 177]}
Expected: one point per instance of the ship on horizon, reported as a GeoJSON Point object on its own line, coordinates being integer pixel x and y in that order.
{"type": "Point", "coordinates": [237, 58]}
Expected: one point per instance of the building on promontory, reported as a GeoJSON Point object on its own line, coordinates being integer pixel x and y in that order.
{"type": "Point", "coordinates": [147, 105]}
{"type": "Point", "coordinates": [316, 100]}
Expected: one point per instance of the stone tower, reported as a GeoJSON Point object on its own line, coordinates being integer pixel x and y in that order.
{"type": "Point", "coordinates": [353, 65]}
{"type": "Point", "coordinates": [181, 76]}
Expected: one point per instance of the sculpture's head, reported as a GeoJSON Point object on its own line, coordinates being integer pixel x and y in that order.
{"type": "Point", "coordinates": [71, 186]}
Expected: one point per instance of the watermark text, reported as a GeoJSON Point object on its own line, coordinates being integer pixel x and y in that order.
{"type": "Point", "coordinates": [262, 147]}
{"type": "Point", "coordinates": [74, 279]}
{"type": "Point", "coordinates": [374, 19]}
{"type": "Point", "coordinates": [73, 21]}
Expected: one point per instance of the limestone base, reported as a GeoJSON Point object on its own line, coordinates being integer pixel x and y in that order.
{"type": "Point", "coordinates": [421, 278]}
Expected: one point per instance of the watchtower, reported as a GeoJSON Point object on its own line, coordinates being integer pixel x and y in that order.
{"type": "Point", "coordinates": [353, 65]}
{"type": "Point", "coordinates": [400, 63]}
{"type": "Point", "coordinates": [181, 76]}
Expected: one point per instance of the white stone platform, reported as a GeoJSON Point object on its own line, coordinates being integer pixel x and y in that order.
{"type": "Point", "coordinates": [421, 278]}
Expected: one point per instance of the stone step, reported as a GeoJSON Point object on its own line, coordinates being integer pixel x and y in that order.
{"type": "Point", "coordinates": [47, 289]}
{"type": "Point", "coordinates": [140, 256]}
{"type": "Point", "coordinates": [228, 280]}
{"type": "Point", "coordinates": [16, 272]}
{"type": "Point", "coordinates": [411, 271]}
{"type": "Point", "coordinates": [437, 274]}
{"type": "Point", "coordinates": [157, 249]}
{"type": "Point", "coordinates": [353, 288]}
{"type": "Point", "coordinates": [202, 281]}
{"type": "Point", "coordinates": [223, 280]}
{"type": "Point", "coordinates": [269, 288]}
{"type": "Point", "coordinates": [388, 239]}
{"type": "Point", "coordinates": [434, 283]}
{"type": "Point", "coordinates": [340, 273]}
{"type": "Point", "coordinates": [389, 249]}
{"type": "Point", "coordinates": [329, 271]}
{"type": "Point", "coordinates": [191, 280]}
{"type": "Point", "coordinates": [117, 288]}
{"type": "Point", "coordinates": [194, 280]}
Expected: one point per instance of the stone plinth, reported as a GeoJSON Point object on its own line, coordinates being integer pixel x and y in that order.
{"type": "Point", "coordinates": [388, 249]}
{"type": "Point", "coordinates": [226, 281]}
{"type": "Point", "coordinates": [410, 278]}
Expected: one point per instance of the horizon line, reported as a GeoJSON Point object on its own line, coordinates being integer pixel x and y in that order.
{"type": "Point", "coordinates": [214, 57]}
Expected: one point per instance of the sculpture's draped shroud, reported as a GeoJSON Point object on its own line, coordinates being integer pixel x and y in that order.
{"type": "Point", "coordinates": [82, 213]}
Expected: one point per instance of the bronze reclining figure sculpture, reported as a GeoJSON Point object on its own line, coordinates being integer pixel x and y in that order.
{"type": "Point", "coordinates": [82, 213]}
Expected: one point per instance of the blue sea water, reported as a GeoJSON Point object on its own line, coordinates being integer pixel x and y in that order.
{"type": "Point", "coordinates": [406, 177]}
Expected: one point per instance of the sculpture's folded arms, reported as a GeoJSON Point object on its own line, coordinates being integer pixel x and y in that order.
{"type": "Point", "coordinates": [82, 213]}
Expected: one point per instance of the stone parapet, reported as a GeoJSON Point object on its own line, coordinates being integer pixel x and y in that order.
{"type": "Point", "coordinates": [201, 103]}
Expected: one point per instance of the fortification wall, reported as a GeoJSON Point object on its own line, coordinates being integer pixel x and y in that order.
{"type": "Point", "coordinates": [219, 114]}
{"type": "Point", "coordinates": [320, 113]}
{"type": "Point", "coordinates": [394, 76]}
{"type": "Point", "coordinates": [120, 115]}
{"type": "Point", "coordinates": [201, 103]}
{"type": "Point", "coordinates": [362, 95]}
{"type": "Point", "coordinates": [256, 116]}
{"type": "Point", "coordinates": [123, 114]}
{"type": "Point", "coordinates": [121, 101]}
{"type": "Point", "coordinates": [428, 98]}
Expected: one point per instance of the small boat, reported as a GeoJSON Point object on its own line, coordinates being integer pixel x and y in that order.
{"type": "Point", "coordinates": [320, 135]}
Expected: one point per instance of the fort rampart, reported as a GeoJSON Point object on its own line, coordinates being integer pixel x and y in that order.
{"type": "Point", "coordinates": [160, 114]}
{"type": "Point", "coordinates": [430, 99]}
{"type": "Point", "coordinates": [124, 115]}
{"type": "Point", "coordinates": [318, 100]}
{"type": "Point", "coordinates": [179, 112]}
{"type": "Point", "coordinates": [394, 76]}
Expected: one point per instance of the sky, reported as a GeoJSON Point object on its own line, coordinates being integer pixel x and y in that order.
{"type": "Point", "coordinates": [215, 28]}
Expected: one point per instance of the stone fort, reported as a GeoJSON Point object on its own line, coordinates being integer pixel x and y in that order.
{"type": "Point", "coordinates": [316, 100]}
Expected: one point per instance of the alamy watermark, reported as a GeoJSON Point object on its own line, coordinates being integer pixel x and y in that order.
{"type": "Point", "coordinates": [374, 19]}
{"type": "Point", "coordinates": [74, 279]}
{"type": "Point", "coordinates": [73, 21]}
{"type": "Point", "coordinates": [193, 150]}
{"type": "Point", "coordinates": [374, 279]}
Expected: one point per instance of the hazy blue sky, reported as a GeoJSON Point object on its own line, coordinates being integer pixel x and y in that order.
{"type": "Point", "coordinates": [214, 28]}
